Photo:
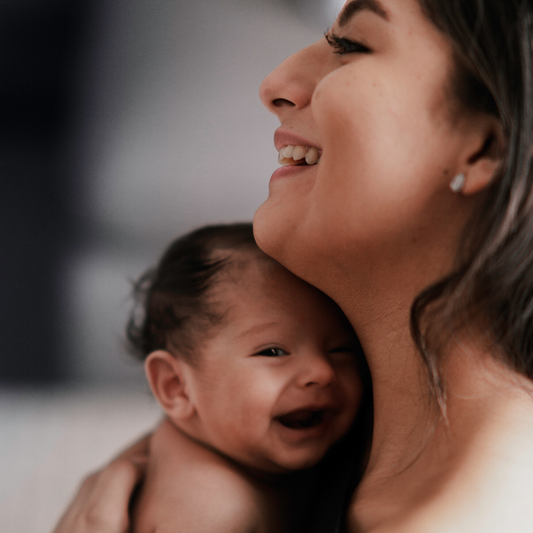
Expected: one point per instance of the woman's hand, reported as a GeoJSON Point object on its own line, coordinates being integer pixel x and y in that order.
{"type": "Point", "coordinates": [101, 505]}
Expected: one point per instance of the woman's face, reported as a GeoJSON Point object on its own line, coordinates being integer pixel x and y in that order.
{"type": "Point", "coordinates": [377, 104]}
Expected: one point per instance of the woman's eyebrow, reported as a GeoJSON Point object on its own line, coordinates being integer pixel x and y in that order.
{"type": "Point", "coordinates": [355, 6]}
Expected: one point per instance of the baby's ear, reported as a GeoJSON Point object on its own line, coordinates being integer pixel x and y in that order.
{"type": "Point", "coordinates": [168, 378]}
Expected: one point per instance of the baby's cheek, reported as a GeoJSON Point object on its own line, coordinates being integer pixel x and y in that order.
{"type": "Point", "coordinates": [248, 414]}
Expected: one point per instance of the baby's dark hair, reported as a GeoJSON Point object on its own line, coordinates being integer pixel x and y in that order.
{"type": "Point", "coordinates": [172, 300]}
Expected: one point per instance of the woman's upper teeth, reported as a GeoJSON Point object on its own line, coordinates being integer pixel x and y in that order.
{"type": "Point", "coordinates": [292, 155]}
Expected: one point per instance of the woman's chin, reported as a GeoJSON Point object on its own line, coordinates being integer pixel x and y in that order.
{"type": "Point", "coordinates": [268, 231]}
{"type": "Point", "coordinates": [280, 233]}
{"type": "Point", "coordinates": [277, 233]}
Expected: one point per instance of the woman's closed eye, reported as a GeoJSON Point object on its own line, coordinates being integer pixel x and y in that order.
{"type": "Point", "coordinates": [341, 45]}
{"type": "Point", "coordinates": [272, 352]}
{"type": "Point", "coordinates": [344, 352]}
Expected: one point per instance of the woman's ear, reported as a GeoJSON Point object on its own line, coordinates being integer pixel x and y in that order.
{"type": "Point", "coordinates": [170, 384]}
{"type": "Point", "coordinates": [485, 157]}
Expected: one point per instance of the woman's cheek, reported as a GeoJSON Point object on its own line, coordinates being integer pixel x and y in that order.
{"type": "Point", "coordinates": [368, 149]}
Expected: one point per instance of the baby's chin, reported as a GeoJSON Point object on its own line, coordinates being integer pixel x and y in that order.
{"type": "Point", "coordinates": [301, 463]}
{"type": "Point", "coordinates": [271, 468]}
{"type": "Point", "coordinates": [294, 462]}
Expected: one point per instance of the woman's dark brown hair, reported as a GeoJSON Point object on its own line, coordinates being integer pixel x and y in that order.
{"type": "Point", "coordinates": [493, 281]}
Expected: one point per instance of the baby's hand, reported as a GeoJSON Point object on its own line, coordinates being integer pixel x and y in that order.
{"type": "Point", "coordinates": [101, 504]}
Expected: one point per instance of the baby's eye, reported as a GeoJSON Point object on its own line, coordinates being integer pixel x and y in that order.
{"type": "Point", "coordinates": [272, 352]}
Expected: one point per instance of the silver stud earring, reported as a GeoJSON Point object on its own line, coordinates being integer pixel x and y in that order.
{"type": "Point", "coordinates": [457, 184]}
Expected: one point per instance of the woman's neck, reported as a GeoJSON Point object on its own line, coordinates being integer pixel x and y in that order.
{"type": "Point", "coordinates": [403, 406]}
{"type": "Point", "coordinates": [378, 305]}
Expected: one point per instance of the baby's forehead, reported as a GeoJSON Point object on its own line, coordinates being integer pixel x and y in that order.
{"type": "Point", "coordinates": [245, 260]}
{"type": "Point", "coordinates": [256, 276]}
{"type": "Point", "coordinates": [240, 255]}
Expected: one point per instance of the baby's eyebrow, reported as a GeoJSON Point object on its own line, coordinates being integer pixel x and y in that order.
{"type": "Point", "coordinates": [259, 328]}
{"type": "Point", "coordinates": [356, 6]}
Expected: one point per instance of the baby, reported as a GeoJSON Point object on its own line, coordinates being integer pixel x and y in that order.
{"type": "Point", "coordinates": [258, 374]}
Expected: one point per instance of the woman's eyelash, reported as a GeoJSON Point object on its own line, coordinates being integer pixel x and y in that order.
{"type": "Point", "coordinates": [344, 349]}
{"type": "Point", "coordinates": [272, 352]}
{"type": "Point", "coordinates": [342, 45]}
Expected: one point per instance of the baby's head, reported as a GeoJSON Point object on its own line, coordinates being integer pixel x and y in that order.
{"type": "Point", "coordinates": [242, 355]}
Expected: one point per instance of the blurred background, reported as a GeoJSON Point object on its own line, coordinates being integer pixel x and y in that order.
{"type": "Point", "coordinates": [123, 123]}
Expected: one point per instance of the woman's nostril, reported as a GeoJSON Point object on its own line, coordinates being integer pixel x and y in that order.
{"type": "Point", "coordinates": [280, 102]}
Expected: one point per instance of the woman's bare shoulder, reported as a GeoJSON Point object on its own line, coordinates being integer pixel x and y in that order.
{"type": "Point", "coordinates": [488, 498]}
{"type": "Point", "coordinates": [451, 519]}
{"type": "Point", "coordinates": [479, 481]}
{"type": "Point", "coordinates": [454, 520]}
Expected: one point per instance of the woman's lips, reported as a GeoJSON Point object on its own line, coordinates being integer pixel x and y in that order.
{"type": "Point", "coordinates": [288, 171]}
{"type": "Point", "coordinates": [284, 137]}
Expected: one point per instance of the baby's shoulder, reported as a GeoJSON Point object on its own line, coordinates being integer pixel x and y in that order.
{"type": "Point", "coordinates": [208, 497]}
{"type": "Point", "coordinates": [221, 483]}
{"type": "Point", "coordinates": [194, 489]}
{"type": "Point", "coordinates": [220, 505]}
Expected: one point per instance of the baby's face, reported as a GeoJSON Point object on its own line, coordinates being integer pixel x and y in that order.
{"type": "Point", "coordinates": [278, 383]}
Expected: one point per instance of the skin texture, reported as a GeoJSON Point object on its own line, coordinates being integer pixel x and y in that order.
{"type": "Point", "coordinates": [377, 215]}
{"type": "Point", "coordinates": [282, 348]}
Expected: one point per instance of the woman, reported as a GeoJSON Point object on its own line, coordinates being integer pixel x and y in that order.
{"type": "Point", "coordinates": [417, 220]}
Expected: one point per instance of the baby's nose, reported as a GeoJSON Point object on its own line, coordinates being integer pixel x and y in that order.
{"type": "Point", "coordinates": [317, 371]}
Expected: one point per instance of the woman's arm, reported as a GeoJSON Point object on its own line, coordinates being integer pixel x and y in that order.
{"type": "Point", "coordinates": [101, 504]}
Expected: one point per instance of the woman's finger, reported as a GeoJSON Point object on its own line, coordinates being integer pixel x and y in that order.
{"type": "Point", "coordinates": [107, 508]}
{"type": "Point", "coordinates": [101, 504]}
{"type": "Point", "coordinates": [138, 449]}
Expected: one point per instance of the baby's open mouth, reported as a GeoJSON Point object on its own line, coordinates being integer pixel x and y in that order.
{"type": "Point", "coordinates": [302, 419]}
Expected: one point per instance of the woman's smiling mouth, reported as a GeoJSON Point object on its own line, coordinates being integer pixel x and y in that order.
{"type": "Point", "coordinates": [295, 150]}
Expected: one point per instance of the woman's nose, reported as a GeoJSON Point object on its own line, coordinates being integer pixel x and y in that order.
{"type": "Point", "coordinates": [292, 84]}
{"type": "Point", "coordinates": [317, 371]}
